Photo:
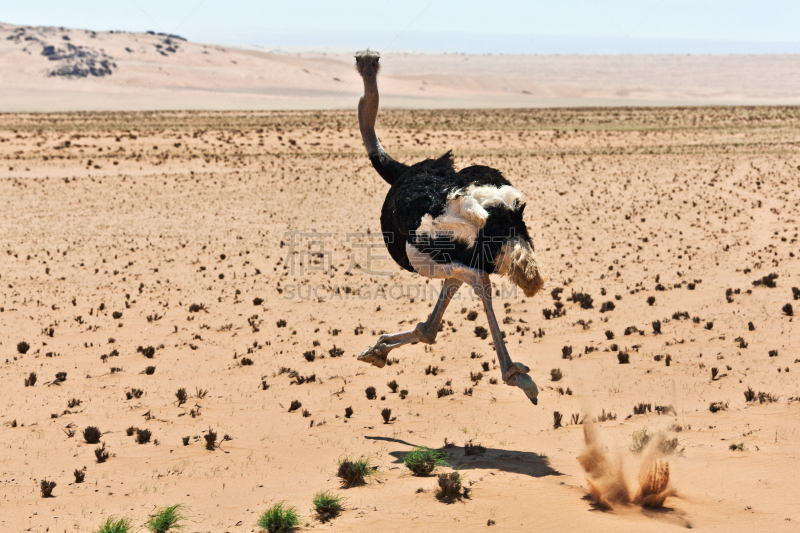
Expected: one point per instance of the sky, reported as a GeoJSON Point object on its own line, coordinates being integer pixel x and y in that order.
{"type": "Point", "coordinates": [458, 26]}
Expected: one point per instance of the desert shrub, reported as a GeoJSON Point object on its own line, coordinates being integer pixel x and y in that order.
{"type": "Point", "coordinates": [91, 435]}
{"type": "Point", "coordinates": [134, 393]}
{"type": "Point", "coordinates": [766, 281]}
{"type": "Point", "coordinates": [47, 488]}
{"type": "Point", "coordinates": [749, 395]}
{"type": "Point", "coordinates": [182, 396]}
{"type": "Point", "coordinates": [354, 472]}
{"type": "Point", "coordinates": [211, 439]}
{"type": "Point", "coordinates": [444, 391]}
{"type": "Point", "coordinates": [431, 370]}
{"type": "Point", "coordinates": [766, 397]}
{"type": "Point", "coordinates": [101, 453]}
{"type": "Point", "coordinates": [668, 446]}
{"type": "Point", "coordinates": [605, 416]}
{"type": "Point", "coordinates": [717, 406]}
{"type": "Point", "coordinates": [143, 436]}
{"type": "Point", "coordinates": [449, 486]}
{"type": "Point", "coordinates": [473, 449]}
{"type": "Point", "coordinates": [335, 352]}
{"type": "Point", "coordinates": [581, 298]}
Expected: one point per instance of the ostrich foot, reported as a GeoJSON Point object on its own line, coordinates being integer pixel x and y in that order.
{"type": "Point", "coordinates": [517, 376]}
{"type": "Point", "coordinates": [423, 332]}
{"type": "Point", "coordinates": [375, 356]}
{"type": "Point", "coordinates": [514, 370]}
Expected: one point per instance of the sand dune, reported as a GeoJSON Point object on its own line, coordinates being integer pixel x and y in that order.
{"type": "Point", "coordinates": [50, 69]}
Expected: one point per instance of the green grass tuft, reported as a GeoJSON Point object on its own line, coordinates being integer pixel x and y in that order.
{"type": "Point", "coordinates": [423, 461]}
{"type": "Point", "coordinates": [328, 505]}
{"type": "Point", "coordinates": [166, 519]}
{"type": "Point", "coordinates": [640, 440]}
{"type": "Point", "coordinates": [116, 525]}
{"type": "Point", "coordinates": [278, 519]}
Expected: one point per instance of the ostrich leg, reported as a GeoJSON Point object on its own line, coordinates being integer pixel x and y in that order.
{"type": "Point", "coordinates": [424, 332]}
{"type": "Point", "coordinates": [514, 374]}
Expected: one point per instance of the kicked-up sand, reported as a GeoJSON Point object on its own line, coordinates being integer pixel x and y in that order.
{"type": "Point", "coordinates": [239, 255]}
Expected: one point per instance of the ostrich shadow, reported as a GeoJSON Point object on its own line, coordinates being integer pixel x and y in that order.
{"type": "Point", "coordinates": [527, 463]}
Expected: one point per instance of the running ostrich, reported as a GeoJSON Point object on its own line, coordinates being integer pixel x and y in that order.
{"type": "Point", "coordinates": [459, 226]}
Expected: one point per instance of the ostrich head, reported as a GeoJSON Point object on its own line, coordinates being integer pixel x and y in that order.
{"type": "Point", "coordinates": [367, 63]}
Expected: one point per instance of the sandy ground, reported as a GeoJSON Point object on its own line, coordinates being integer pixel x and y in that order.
{"type": "Point", "coordinates": [160, 72]}
{"type": "Point", "coordinates": [114, 225]}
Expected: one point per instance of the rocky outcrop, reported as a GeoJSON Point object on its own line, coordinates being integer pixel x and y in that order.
{"type": "Point", "coordinates": [78, 61]}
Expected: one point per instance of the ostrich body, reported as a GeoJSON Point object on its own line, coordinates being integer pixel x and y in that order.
{"type": "Point", "coordinates": [459, 226]}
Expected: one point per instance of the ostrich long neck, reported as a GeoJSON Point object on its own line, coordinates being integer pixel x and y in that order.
{"type": "Point", "coordinates": [368, 112]}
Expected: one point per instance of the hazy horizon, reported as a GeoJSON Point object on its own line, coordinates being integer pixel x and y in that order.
{"type": "Point", "coordinates": [468, 26]}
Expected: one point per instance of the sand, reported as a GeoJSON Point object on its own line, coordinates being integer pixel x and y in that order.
{"type": "Point", "coordinates": [148, 214]}
{"type": "Point", "coordinates": [161, 72]}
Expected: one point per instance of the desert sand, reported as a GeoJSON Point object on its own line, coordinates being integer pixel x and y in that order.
{"type": "Point", "coordinates": [180, 241]}
{"type": "Point", "coordinates": [49, 69]}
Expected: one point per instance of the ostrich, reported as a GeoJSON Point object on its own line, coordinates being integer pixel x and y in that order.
{"type": "Point", "coordinates": [459, 226]}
